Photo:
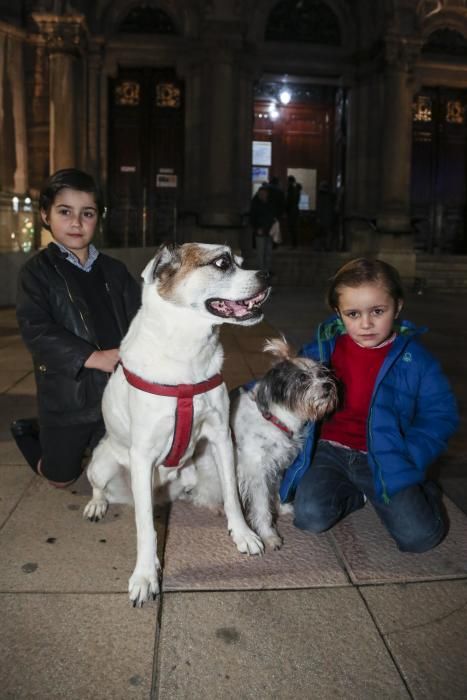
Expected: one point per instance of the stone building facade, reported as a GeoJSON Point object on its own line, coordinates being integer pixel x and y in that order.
{"type": "Point", "coordinates": [163, 100]}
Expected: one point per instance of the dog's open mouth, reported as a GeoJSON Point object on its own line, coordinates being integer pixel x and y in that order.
{"type": "Point", "coordinates": [239, 308]}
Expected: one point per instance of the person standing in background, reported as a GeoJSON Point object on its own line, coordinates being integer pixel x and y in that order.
{"type": "Point", "coordinates": [292, 201]}
{"type": "Point", "coordinates": [262, 217]}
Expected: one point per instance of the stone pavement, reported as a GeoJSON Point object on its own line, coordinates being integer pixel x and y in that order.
{"type": "Point", "coordinates": [68, 630]}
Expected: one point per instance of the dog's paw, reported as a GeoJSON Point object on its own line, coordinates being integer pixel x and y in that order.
{"type": "Point", "coordinates": [273, 541]}
{"type": "Point", "coordinates": [143, 588]}
{"type": "Point", "coordinates": [96, 509]}
{"type": "Point", "coordinates": [248, 542]}
{"type": "Point", "coordinates": [286, 509]}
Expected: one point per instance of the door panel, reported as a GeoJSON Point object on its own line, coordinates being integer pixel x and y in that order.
{"type": "Point", "coordinates": [145, 138]}
{"type": "Point", "coordinates": [438, 181]}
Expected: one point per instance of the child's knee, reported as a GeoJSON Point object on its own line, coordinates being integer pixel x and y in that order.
{"type": "Point", "coordinates": [309, 515]}
{"type": "Point", "coordinates": [56, 479]}
{"type": "Point", "coordinates": [422, 539]}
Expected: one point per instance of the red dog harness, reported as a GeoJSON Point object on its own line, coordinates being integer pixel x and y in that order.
{"type": "Point", "coordinates": [184, 414]}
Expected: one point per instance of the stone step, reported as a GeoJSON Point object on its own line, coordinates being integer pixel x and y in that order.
{"type": "Point", "coordinates": [306, 267]}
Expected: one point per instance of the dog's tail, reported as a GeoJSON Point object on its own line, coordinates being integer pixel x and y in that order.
{"type": "Point", "coordinates": [279, 347]}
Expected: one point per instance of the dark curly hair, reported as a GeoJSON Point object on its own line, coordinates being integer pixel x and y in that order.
{"type": "Point", "coordinates": [73, 179]}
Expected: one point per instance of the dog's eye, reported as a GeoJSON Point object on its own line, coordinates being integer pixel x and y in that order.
{"type": "Point", "coordinates": [223, 263]}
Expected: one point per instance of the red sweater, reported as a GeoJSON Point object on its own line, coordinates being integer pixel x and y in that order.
{"type": "Point", "coordinates": [357, 369]}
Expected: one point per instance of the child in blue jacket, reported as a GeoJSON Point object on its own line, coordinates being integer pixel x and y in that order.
{"type": "Point", "coordinates": [396, 414]}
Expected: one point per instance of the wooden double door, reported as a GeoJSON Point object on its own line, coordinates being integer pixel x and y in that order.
{"type": "Point", "coordinates": [438, 186]}
{"type": "Point", "coordinates": [146, 152]}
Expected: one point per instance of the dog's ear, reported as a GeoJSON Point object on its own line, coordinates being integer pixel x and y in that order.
{"type": "Point", "coordinates": [280, 348]}
{"type": "Point", "coordinates": [167, 256]}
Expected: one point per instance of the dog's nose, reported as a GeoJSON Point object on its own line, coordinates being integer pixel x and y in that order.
{"type": "Point", "coordinates": [263, 277]}
{"type": "Point", "coordinates": [327, 386]}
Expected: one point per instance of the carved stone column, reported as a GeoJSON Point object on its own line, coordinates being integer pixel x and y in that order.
{"type": "Point", "coordinates": [95, 63]}
{"type": "Point", "coordinates": [64, 38]}
{"type": "Point", "coordinates": [220, 200]}
{"type": "Point", "coordinates": [191, 71]}
{"type": "Point", "coordinates": [396, 241]}
{"type": "Point", "coordinates": [16, 77]}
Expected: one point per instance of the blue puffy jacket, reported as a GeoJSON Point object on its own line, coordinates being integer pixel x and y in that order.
{"type": "Point", "coordinates": [412, 413]}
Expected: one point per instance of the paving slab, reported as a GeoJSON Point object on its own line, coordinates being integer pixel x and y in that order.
{"type": "Point", "coordinates": [15, 356]}
{"type": "Point", "coordinates": [258, 363]}
{"type": "Point", "coordinates": [15, 406]}
{"type": "Point", "coordinates": [47, 546]}
{"type": "Point", "coordinates": [78, 647]}
{"type": "Point", "coordinates": [14, 481]}
{"type": "Point", "coordinates": [25, 385]}
{"type": "Point", "coordinates": [236, 379]}
{"type": "Point", "coordinates": [9, 377]}
{"type": "Point", "coordinates": [424, 626]}
{"type": "Point", "coordinates": [9, 453]}
{"type": "Point", "coordinates": [200, 555]}
{"type": "Point", "coordinates": [234, 363]}
{"type": "Point", "coordinates": [371, 556]}
{"type": "Point", "coordinates": [272, 644]}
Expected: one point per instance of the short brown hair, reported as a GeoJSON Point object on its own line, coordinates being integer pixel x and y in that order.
{"type": "Point", "coordinates": [363, 271]}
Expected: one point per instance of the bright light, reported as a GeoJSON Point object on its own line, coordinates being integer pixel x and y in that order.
{"type": "Point", "coordinates": [285, 96]}
{"type": "Point", "coordinates": [273, 112]}
{"type": "Point", "coordinates": [15, 203]}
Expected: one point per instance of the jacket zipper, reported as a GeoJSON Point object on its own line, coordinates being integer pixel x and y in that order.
{"type": "Point", "coordinates": [386, 498]}
{"type": "Point", "coordinates": [76, 305]}
{"type": "Point", "coordinates": [116, 314]}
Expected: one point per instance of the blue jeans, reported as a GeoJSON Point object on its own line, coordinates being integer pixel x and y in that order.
{"type": "Point", "coordinates": [334, 486]}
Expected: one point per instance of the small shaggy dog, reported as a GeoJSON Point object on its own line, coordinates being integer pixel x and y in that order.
{"type": "Point", "coordinates": [268, 424]}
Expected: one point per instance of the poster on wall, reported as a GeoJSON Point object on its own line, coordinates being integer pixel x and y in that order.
{"type": "Point", "coordinates": [306, 177]}
{"type": "Point", "coordinates": [262, 153]}
{"type": "Point", "coordinates": [260, 173]}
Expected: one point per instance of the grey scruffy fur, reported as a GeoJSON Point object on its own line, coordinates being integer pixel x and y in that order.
{"type": "Point", "coordinates": [295, 390]}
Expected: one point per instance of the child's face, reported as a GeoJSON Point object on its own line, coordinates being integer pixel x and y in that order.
{"type": "Point", "coordinates": [72, 219]}
{"type": "Point", "coordinates": [368, 313]}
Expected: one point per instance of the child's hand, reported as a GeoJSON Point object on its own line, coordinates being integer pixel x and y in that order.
{"type": "Point", "coordinates": [105, 360]}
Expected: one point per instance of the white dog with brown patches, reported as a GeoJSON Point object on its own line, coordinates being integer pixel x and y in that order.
{"type": "Point", "coordinates": [167, 395]}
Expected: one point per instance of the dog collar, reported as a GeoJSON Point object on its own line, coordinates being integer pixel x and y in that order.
{"type": "Point", "coordinates": [278, 423]}
{"type": "Point", "coordinates": [184, 394]}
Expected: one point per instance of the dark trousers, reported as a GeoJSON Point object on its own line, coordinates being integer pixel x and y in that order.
{"type": "Point", "coordinates": [335, 484]}
{"type": "Point", "coordinates": [292, 226]}
{"type": "Point", "coordinates": [64, 448]}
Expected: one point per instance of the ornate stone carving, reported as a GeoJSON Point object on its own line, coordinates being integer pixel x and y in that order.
{"type": "Point", "coordinates": [62, 34]}
{"type": "Point", "coordinates": [127, 93]}
{"type": "Point", "coordinates": [455, 112]}
{"type": "Point", "coordinates": [168, 95]}
{"type": "Point", "coordinates": [422, 109]}
{"type": "Point", "coordinates": [401, 53]}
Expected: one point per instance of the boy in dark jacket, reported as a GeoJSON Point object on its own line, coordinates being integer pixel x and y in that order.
{"type": "Point", "coordinates": [74, 306]}
{"type": "Point", "coordinates": [396, 415]}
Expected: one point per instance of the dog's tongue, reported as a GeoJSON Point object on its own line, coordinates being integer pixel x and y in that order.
{"type": "Point", "coordinates": [226, 307]}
